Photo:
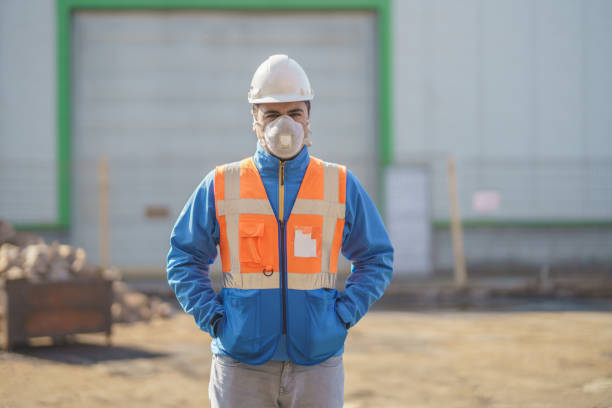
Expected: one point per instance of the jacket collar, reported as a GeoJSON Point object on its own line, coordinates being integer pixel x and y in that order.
{"type": "Point", "coordinates": [268, 164]}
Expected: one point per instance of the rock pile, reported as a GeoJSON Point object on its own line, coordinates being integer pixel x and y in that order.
{"type": "Point", "coordinates": [130, 306]}
{"type": "Point", "coordinates": [25, 255]}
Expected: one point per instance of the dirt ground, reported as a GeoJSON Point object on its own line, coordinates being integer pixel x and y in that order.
{"type": "Point", "coordinates": [392, 359]}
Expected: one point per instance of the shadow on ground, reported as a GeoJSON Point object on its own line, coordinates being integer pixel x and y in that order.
{"type": "Point", "coordinates": [86, 354]}
{"type": "Point", "coordinates": [475, 303]}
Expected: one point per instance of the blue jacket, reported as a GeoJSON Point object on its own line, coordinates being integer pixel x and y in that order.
{"type": "Point", "coordinates": [254, 335]}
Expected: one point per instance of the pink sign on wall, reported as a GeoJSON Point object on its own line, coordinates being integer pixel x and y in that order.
{"type": "Point", "coordinates": [486, 201]}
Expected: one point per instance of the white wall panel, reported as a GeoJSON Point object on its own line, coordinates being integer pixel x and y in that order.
{"type": "Point", "coordinates": [28, 179]}
{"type": "Point", "coordinates": [558, 44]}
{"type": "Point", "coordinates": [454, 69]}
{"type": "Point", "coordinates": [597, 32]}
{"type": "Point", "coordinates": [409, 79]}
{"type": "Point", "coordinates": [506, 78]}
{"type": "Point", "coordinates": [515, 90]}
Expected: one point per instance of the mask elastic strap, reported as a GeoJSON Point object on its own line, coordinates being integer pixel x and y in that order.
{"type": "Point", "coordinates": [307, 132]}
{"type": "Point", "coordinates": [260, 137]}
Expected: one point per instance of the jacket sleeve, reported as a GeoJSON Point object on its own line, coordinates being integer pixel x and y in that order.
{"type": "Point", "coordinates": [366, 244]}
{"type": "Point", "coordinates": [193, 248]}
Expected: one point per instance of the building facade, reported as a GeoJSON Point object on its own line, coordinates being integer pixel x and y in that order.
{"type": "Point", "coordinates": [516, 91]}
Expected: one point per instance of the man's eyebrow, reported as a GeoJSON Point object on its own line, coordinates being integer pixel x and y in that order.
{"type": "Point", "coordinates": [271, 111]}
{"type": "Point", "coordinates": [296, 110]}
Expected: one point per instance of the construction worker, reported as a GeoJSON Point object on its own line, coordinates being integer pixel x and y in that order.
{"type": "Point", "coordinates": [280, 219]}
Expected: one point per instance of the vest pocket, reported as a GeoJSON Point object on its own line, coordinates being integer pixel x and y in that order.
{"type": "Point", "coordinates": [251, 235]}
{"type": "Point", "coordinates": [240, 332]}
{"type": "Point", "coordinates": [327, 333]}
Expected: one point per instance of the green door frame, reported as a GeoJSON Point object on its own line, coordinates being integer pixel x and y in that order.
{"type": "Point", "coordinates": [382, 8]}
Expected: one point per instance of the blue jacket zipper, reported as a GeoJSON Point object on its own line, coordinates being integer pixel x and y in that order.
{"type": "Point", "coordinates": [283, 244]}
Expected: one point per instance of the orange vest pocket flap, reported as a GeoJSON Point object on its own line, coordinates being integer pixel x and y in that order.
{"type": "Point", "coordinates": [251, 229]}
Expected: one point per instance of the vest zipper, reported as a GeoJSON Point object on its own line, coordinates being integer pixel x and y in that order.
{"type": "Point", "coordinates": [281, 221]}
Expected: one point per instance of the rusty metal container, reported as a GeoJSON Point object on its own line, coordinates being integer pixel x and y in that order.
{"type": "Point", "coordinates": [55, 309]}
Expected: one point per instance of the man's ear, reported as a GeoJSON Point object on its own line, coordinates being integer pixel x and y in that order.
{"type": "Point", "coordinates": [254, 110]}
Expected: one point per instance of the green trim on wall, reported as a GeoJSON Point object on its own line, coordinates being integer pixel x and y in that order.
{"type": "Point", "coordinates": [226, 4]}
{"type": "Point", "coordinates": [526, 223]}
{"type": "Point", "coordinates": [63, 114]}
{"type": "Point", "coordinates": [385, 105]}
{"type": "Point", "coordinates": [385, 115]}
{"type": "Point", "coordinates": [65, 8]}
{"type": "Point", "coordinates": [40, 226]}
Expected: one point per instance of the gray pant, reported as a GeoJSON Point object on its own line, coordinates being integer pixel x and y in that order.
{"type": "Point", "coordinates": [276, 384]}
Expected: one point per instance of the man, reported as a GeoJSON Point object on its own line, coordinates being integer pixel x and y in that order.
{"type": "Point", "coordinates": [280, 219]}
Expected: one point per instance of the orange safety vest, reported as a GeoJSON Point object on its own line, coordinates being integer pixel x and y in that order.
{"type": "Point", "coordinates": [249, 231]}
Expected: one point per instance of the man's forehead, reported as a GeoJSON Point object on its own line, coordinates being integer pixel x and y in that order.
{"type": "Point", "coordinates": [282, 107]}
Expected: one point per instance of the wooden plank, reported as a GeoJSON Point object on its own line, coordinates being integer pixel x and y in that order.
{"type": "Point", "coordinates": [103, 208]}
{"type": "Point", "coordinates": [456, 231]}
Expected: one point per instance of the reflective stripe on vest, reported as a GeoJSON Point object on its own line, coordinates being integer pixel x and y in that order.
{"type": "Point", "coordinates": [249, 233]}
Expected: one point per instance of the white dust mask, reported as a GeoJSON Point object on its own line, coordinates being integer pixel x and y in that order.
{"type": "Point", "coordinates": [284, 137]}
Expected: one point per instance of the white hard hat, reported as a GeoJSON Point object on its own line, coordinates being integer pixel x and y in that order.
{"type": "Point", "coordinates": [280, 79]}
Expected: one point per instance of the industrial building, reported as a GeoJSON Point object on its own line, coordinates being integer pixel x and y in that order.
{"type": "Point", "coordinates": [516, 91]}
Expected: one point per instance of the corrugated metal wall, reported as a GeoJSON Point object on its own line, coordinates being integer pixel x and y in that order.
{"type": "Point", "coordinates": [518, 92]}
{"type": "Point", "coordinates": [27, 111]}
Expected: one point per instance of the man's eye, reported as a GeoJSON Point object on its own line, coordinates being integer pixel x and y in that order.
{"type": "Point", "coordinates": [296, 115]}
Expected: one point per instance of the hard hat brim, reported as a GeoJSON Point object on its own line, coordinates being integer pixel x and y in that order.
{"type": "Point", "coordinates": [281, 98]}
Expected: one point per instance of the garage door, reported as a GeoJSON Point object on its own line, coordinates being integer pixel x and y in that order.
{"type": "Point", "coordinates": [162, 95]}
